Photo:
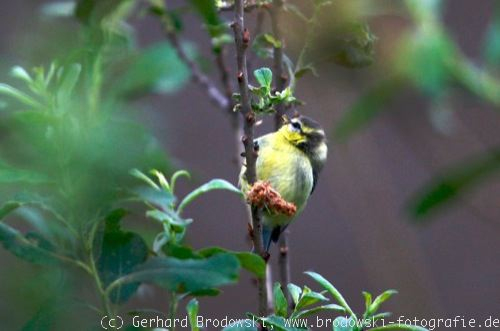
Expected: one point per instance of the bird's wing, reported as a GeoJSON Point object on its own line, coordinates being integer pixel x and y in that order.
{"type": "Point", "coordinates": [315, 180]}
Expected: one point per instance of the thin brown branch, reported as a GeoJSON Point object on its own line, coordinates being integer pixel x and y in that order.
{"type": "Point", "coordinates": [284, 263]}
{"type": "Point", "coordinates": [242, 40]}
{"type": "Point", "coordinates": [220, 60]}
{"type": "Point", "coordinates": [281, 78]}
{"type": "Point", "coordinates": [248, 7]}
{"type": "Point", "coordinates": [215, 95]}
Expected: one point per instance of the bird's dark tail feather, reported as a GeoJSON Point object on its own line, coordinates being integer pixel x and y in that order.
{"type": "Point", "coordinates": [270, 235]}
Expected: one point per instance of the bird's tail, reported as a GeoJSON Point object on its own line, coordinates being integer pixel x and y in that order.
{"type": "Point", "coordinates": [270, 234]}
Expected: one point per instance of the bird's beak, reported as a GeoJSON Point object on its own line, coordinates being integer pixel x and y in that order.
{"type": "Point", "coordinates": [285, 119]}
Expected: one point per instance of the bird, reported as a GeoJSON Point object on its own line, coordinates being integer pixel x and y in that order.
{"type": "Point", "coordinates": [290, 160]}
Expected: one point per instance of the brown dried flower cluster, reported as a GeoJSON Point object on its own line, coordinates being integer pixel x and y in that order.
{"type": "Point", "coordinates": [263, 195]}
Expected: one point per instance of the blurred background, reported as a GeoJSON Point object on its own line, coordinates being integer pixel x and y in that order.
{"type": "Point", "coordinates": [359, 230]}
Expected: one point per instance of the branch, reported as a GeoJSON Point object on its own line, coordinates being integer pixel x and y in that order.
{"type": "Point", "coordinates": [247, 8]}
{"type": "Point", "coordinates": [242, 40]}
{"type": "Point", "coordinates": [281, 78]}
{"type": "Point", "coordinates": [218, 98]}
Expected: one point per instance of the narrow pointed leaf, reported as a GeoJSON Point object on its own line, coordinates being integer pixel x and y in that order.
{"type": "Point", "coordinates": [214, 184]}
{"type": "Point", "coordinates": [192, 310]}
{"type": "Point", "coordinates": [280, 303]}
{"type": "Point", "coordinates": [454, 183]}
{"type": "Point", "coordinates": [330, 288]}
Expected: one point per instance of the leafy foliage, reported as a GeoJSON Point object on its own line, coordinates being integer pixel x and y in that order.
{"type": "Point", "coordinates": [307, 302]}
{"type": "Point", "coordinates": [185, 275]}
{"type": "Point", "coordinates": [454, 183]}
{"type": "Point", "coordinates": [119, 253]}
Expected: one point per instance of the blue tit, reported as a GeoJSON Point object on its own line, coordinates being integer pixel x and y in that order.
{"type": "Point", "coordinates": [290, 159]}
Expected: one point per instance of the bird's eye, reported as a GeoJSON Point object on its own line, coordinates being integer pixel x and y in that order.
{"type": "Point", "coordinates": [296, 125]}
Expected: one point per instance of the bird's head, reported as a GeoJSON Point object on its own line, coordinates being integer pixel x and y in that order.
{"type": "Point", "coordinates": [302, 132]}
{"type": "Point", "coordinates": [307, 135]}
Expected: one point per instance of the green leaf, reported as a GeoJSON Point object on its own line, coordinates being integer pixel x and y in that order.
{"type": "Point", "coordinates": [59, 9]}
{"type": "Point", "coordinates": [368, 300]}
{"type": "Point", "coordinates": [45, 318]}
{"type": "Point", "coordinates": [207, 10]}
{"type": "Point", "coordinates": [192, 310]}
{"type": "Point", "coordinates": [9, 175]}
{"type": "Point", "coordinates": [70, 76]}
{"type": "Point", "coordinates": [308, 68]}
{"type": "Point", "coordinates": [181, 252]}
{"type": "Point", "coordinates": [94, 11]}
{"type": "Point", "coordinates": [295, 292]}
{"type": "Point", "coordinates": [342, 323]}
{"type": "Point", "coordinates": [9, 207]}
{"type": "Point", "coordinates": [274, 322]}
{"type": "Point", "coordinates": [379, 316]}
{"type": "Point", "coordinates": [19, 96]}
{"type": "Point", "coordinates": [32, 247]}
{"type": "Point", "coordinates": [280, 303]}
{"type": "Point", "coordinates": [491, 47]}
{"type": "Point", "coordinates": [27, 199]}
{"type": "Point", "coordinates": [367, 107]}
{"type": "Point", "coordinates": [214, 184]}
{"type": "Point", "coordinates": [424, 58]}
{"type": "Point", "coordinates": [242, 325]}
{"type": "Point", "coordinates": [386, 295]}
{"type": "Point", "coordinates": [330, 288]}
{"type": "Point", "coordinates": [262, 47]}
{"type": "Point", "coordinates": [353, 45]}
{"type": "Point", "coordinates": [309, 298]}
{"type": "Point", "coordinates": [120, 253]}
{"type": "Point", "coordinates": [264, 76]}
{"type": "Point", "coordinates": [157, 69]}
{"type": "Point", "coordinates": [20, 73]}
{"type": "Point", "coordinates": [140, 175]}
{"type": "Point", "coordinates": [315, 310]}
{"type": "Point", "coordinates": [476, 80]}
{"type": "Point", "coordinates": [160, 198]}
{"type": "Point", "coordinates": [169, 216]}
{"type": "Point", "coordinates": [269, 38]}
{"type": "Point", "coordinates": [160, 177]}
{"type": "Point", "coordinates": [188, 275]}
{"type": "Point", "coordinates": [454, 183]}
{"type": "Point", "coordinates": [395, 327]}
{"type": "Point", "coordinates": [293, 9]}
{"type": "Point", "coordinates": [249, 261]}
{"type": "Point", "coordinates": [178, 174]}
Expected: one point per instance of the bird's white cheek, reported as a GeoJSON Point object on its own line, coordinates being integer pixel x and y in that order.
{"type": "Point", "coordinates": [321, 152]}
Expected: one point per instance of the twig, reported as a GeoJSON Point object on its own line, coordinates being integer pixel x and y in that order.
{"type": "Point", "coordinates": [284, 257]}
{"type": "Point", "coordinates": [234, 118]}
{"type": "Point", "coordinates": [281, 78]}
{"type": "Point", "coordinates": [242, 40]}
{"type": "Point", "coordinates": [247, 8]}
{"type": "Point", "coordinates": [216, 96]}
{"type": "Point", "coordinates": [284, 264]}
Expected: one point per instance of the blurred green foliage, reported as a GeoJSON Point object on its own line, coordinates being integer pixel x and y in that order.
{"type": "Point", "coordinates": [429, 61]}
{"type": "Point", "coordinates": [70, 137]}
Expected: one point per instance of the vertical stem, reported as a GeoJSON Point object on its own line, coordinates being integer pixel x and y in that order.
{"type": "Point", "coordinates": [242, 40]}
{"type": "Point", "coordinates": [234, 119]}
{"type": "Point", "coordinates": [284, 258]}
{"type": "Point", "coordinates": [281, 78]}
{"type": "Point", "coordinates": [284, 264]}
{"type": "Point", "coordinates": [104, 297]}
{"type": "Point", "coordinates": [172, 309]}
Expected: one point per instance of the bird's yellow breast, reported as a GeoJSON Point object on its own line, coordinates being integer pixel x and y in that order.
{"type": "Point", "coordinates": [287, 169]}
